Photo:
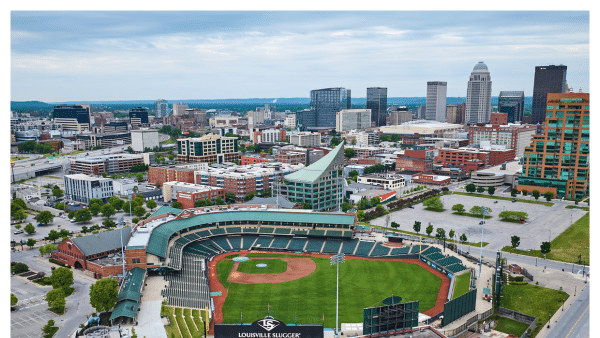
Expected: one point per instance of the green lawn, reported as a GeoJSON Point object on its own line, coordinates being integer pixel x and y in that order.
{"type": "Point", "coordinates": [477, 244]}
{"type": "Point", "coordinates": [470, 215]}
{"type": "Point", "coordinates": [548, 204]}
{"type": "Point", "coordinates": [533, 300]}
{"type": "Point", "coordinates": [362, 284]}
{"type": "Point", "coordinates": [461, 285]}
{"type": "Point", "coordinates": [52, 332]}
{"type": "Point", "coordinates": [273, 266]}
{"type": "Point", "coordinates": [577, 207]}
{"type": "Point", "coordinates": [172, 329]}
{"type": "Point", "coordinates": [510, 326]}
{"type": "Point", "coordinates": [567, 246]}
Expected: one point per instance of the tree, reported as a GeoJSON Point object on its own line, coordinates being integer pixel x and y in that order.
{"type": "Point", "coordinates": [476, 210]}
{"type": "Point", "coordinates": [104, 174]}
{"type": "Point", "coordinates": [349, 152]}
{"type": "Point", "coordinates": [135, 220]}
{"type": "Point", "coordinates": [46, 249]}
{"type": "Point", "coordinates": [31, 242]}
{"type": "Point", "coordinates": [109, 223]}
{"type": "Point", "coordinates": [56, 299]}
{"type": "Point", "coordinates": [395, 225]}
{"type": "Point", "coordinates": [18, 226]}
{"type": "Point", "coordinates": [95, 209]}
{"type": "Point", "coordinates": [353, 142]}
{"type": "Point", "coordinates": [53, 235]}
{"type": "Point", "coordinates": [463, 238]}
{"type": "Point", "coordinates": [434, 203]}
{"type": "Point", "coordinates": [363, 204]}
{"type": "Point", "coordinates": [306, 206]}
{"type": "Point", "coordinates": [535, 194]}
{"type": "Point", "coordinates": [96, 201]}
{"type": "Point", "coordinates": [129, 150]}
{"type": "Point", "coordinates": [48, 327]}
{"type": "Point", "coordinates": [61, 278]}
{"type": "Point", "coordinates": [491, 190]}
{"type": "Point", "coordinates": [230, 197]}
{"type": "Point", "coordinates": [470, 187]}
{"type": "Point", "coordinates": [451, 234]}
{"type": "Point", "coordinates": [139, 211]}
{"type": "Point", "coordinates": [524, 192]}
{"type": "Point", "coordinates": [514, 192]}
{"type": "Point", "coordinates": [103, 294]}
{"type": "Point", "coordinates": [151, 204]}
{"type": "Point", "coordinates": [440, 233]}
{"type": "Point", "coordinates": [107, 210]}
{"type": "Point", "coordinates": [71, 214]}
{"type": "Point", "coordinates": [177, 205]}
{"type": "Point", "coordinates": [549, 195]}
{"type": "Point", "coordinates": [417, 226]}
{"type": "Point", "coordinates": [375, 200]}
{"type": "Point", "coordinates": [200, 203]}
{"type": "Point", "coordinates": [45, 217]}
{"type": "Point", "coordinates": [19, 214]}
{"type": "Point", "coordinates": [545, 248]}
{"type": "Point", "coordinates": [249, 196]}
{"type": "Point", "coordinates": [353, 173]}
{"type": "Point", "coordinates": [429, 229]}
{"type": "Point", "coordinates": [139, 177]}
{"type": "Point", "coordinates": [513, 215]}
{"type": "Point", "coordinates": [19, 203]}
{"type": "Point", "coordinates": [83, 215]}
{"type": "Point", "coordinates": [128, 206]}
{"type": "Point", "coordinates": [346, 207]}
{"type": "Point", "coordinates": [20, 268]}
{"type": "Point", "coordinates": [480, 189]}
{"type": "Point", "coordinates": [459, 208]}
{"type": "Point", "coordinates": [56, 192]}
{"type": "Point", "coordinates": [220, 200]}
{"type": "Point", "coordinates": [29, 229]}
{"type": "Point", "coordinates": [515, 241]}
{"type": "Point", "coordinates": [60, 206]}
{"type": "Point", "coordinates": [116, 202]}
{"type": "Point", "coordinates": [360, 215]}
{"type": "Point", "coordinates": [13, 300]}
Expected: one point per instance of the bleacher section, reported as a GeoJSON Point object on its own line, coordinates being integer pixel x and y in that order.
{"type": "Point", "coordinates": [430, 250]}
{"type": "Point", "coordinates": [314, 245]}
{"type": "Point", "coordinates": [263, 241]}
{"type": "Point", "coordinates": [250, 230]}
{"type": "Point", "coordinates": [332, 246]}
{"type": "Point", "coordinates": [218, 231]}
{"type": "Point", "coordinates": [283, 231]}
{"type": "Point", "coordinates": [236, 242]}
{"type": "Point", "coordinates": [280, 242]}
{"type": "Point", "coordinates": [222, 242]}
{"type": "Point", "coordinates": [296, 244]}
{"type": "Point", "coordinates": [337, 233]}
{"type": "Point", "coordinates": [435, 256]}
{"type": "Point", "coordinates": [316, 233]}
{"type": "Point", "coordinates": [247, 241]}
{"type": "Point", "coordinates": [300, 232]}
{"type": "Point", "coordinates": [448, 261]}
{"type": "Point", "coordinates": [416, 248]}
{"type": "Point", "coordinates": [349, 246]}
{"type": "Point", "coordinates": [204, 233]}
{"type": "Point", "coordinates": [379, 250]}
{"type": "Point", "coordinates": [189, 287]}
{"type": "Point", "coordinates": [400, 251]}
{"type": "Point", "coordinates": [348, 234]}
{"type": "Point", "coordinates": [455, 268]}
{"type": "Point", "coordinates": [265, 230]}
{"type": "Point", "coordinates": [233, 230]}
{"type": "Point", "coordinates": [364, 248]}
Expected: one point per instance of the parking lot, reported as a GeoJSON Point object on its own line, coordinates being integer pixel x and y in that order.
{"type": "Point", "coordinates": [31, 312]}
{"type": "Point", "coordinates": [543, 223]}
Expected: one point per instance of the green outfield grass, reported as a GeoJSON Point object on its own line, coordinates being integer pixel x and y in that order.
{"type": "Point", "coordinates": [273, 266]}
{"type": "Point", "coordinates": [461, 285]}
{"type": "Point", "coordinates": [362, 284]}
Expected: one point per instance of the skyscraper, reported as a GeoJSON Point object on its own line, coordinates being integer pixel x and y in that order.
{"type": "Point", "coordinates": [548, 79]}
{"type": "Point", "coordinates": [324, 103]}
{"type": "Point", "coordinates": [138, 115]}
{"type": "Point", "coordinates": [435, 107]}
{"type": "Point", "coordinates": [512, 103]}
{"type": "Point", "coordinates": [479, 95]}
{"type": "Point", "coordinates": [377, 102]}
{"type": "Point", "coordinates": [73, 117]}
{"type": "Point", "coordinates": [161, 108]}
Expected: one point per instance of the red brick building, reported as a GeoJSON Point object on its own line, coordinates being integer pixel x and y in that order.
{"type": "Point", "coordinates": [160, 175]}
{"type": "Point", "coordinates": [498, 118]}
{"type": "Point", "coordinates": [431, 179]}
{"type": "Point", "coordinates": [246, 159]}
{"type": "Point", "coordinates": [458, 157]}
{"type": "Point", "coordinates": [404, 163]}
{"type": "Point", "coordinates": [188, 199]}
{"type": "Point", "coordinates": [500, 156]}
{"type": "Point", "coordinates": [291, 157]}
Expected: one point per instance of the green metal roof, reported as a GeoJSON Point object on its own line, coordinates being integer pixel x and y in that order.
{"type": "Point", "coordinates": [166, 210]}
{"type": "Point", "coordinates": [158, 243]}
{"type": "Point", "coordinates": [312, 173]}
{"type": "Point", "coordinates": [127, 308]}
{"type": "Point", "coordinates": [133, 283]}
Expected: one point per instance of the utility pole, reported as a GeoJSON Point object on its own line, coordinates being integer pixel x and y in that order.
{"type": "Point", "coordinates": [337, 259]}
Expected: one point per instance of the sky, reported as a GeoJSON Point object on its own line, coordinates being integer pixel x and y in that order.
{"type": "Point", "coordinates": [111, 55]}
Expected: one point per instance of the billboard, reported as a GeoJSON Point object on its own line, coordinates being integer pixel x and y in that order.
{"type": "Point", "coordinates": [268, 327]}
{"type": "Point", "coordinates": [392, 317]}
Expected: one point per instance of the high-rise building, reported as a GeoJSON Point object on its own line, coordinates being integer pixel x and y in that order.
{"type": "Point", "coordinates": [324, 103]}
{"type": "Point", "coordinates": [73, 117]}
{"type": "Point", "coordinates": [453, 113]}
{"type": "Point", "coordinates": [548, 79]}
{"type": "Point", "coordinates": [558, 160]}
{"type": "Point", "coordinates": [421, 112]}
{"type": "Point", "coordinates": [399, 115]}
{"type": "Point", "coordinates": [208, 148]}
{"type": "Point", "coordinates": [179, 108]}
{"type": "Point", "coordinates": [138, 115]}
{"type": "Point", "coordinates": [348, 119]}
{"type": "Point", "coordinates": [479, 95]}
{"type": "Point", "coordinates": [435, 108]}
{"type": "Point", "coordinates": [377, 102]}
{"type": "Point", "coordinates": [161, 108]}
{"type": "Point", "coordinates": [512, 103]}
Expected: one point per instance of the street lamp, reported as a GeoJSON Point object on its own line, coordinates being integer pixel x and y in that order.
{"type": "Point", "coordinates": [337, 259]}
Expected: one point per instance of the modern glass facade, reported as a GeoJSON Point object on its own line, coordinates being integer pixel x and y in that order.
{"type": "Point", "coordinates": [512, 103]}
{"type": "Point", "coordinates": [78, 112]}
{"type": "Point", "coordinates": [139, 113]}
{"type": "Point", "coordinates": [325, 103]}
{"type": "Point", "coordinates": [548, 79]}
{"type": "Point", "coordinates": [559, 158]}
{"type": "Point", "coordinates": [377, 102]}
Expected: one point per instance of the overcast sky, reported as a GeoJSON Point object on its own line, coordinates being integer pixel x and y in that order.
{"type": "Point", "coordinates": [79, 56]}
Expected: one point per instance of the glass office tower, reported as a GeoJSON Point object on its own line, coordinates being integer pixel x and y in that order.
{"type": "Point", "coordinates": [377, 102]}
{"type": "Point", "coordinates": [326, 103]}
{"type": "Point", "coordinates": [548, 79]}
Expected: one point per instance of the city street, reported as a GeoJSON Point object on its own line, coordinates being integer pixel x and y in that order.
{"type": "Point", "coordinates": [575, 322]}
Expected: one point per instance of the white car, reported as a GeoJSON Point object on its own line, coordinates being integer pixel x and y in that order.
{"type": "Point", "coordinates": [20, 231]}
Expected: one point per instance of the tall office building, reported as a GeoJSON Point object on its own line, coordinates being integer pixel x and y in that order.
{"type": "Point", "coordinates": [512, 103]}
{"type": "Point", "coordinates": [548, 79]}
{"type": "Point", "coordinates": [161, 108]}
{"type": "Point", "coordinates": [179, 108]}
{"type": "Point", "coordinates": [138, 115]}
{"type": "Point", "coordinates": [324, 104]}
{"type": "Point", "coordinates": [435, 108]}
{"type": "Point", "coordinates": [479, 95]}
{"type": "Point", "coordinates": [421, 112]}
{"type": "Point", "coordinates": [399, 115]}
{"type": "Point", "coordinates": [377, 102]}
{"type": "Point", "coordinates": [73, 117]}
{"type": "Point", "coordinates": [349, 119]}
{"type": "Point", "coordinates": [559, 159]}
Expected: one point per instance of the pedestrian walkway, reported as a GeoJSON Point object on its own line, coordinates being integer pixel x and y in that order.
{"type": "Point", "coordinates": [150, 324]}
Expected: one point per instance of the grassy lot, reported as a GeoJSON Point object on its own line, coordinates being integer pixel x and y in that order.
{"type": "Point", "coordinates": [567, 246]}
{"type": "Point", "coordinates": [52, 332]}
{"type": "Point", "coordinates": [171, 330]}
{"type": "Point", "coordinates": [510, 326]}
{"type": "Point", "coordinates": [436, 210]}
{"type": "Point", "coordinates": [185, 332]}
{"type": "Point", "coordinates": [470, 215]}
{"type": "Point", "coordinates": [196, 331]}
{"type": "Point", "coordinates": [200, 321]}
{"type": "Point", "coordinates": [533, 300]}
{"type": "Point", "coordinates": [548, 204]}
{"type": "Point", "coordinates": [477, 244]}
{"type": "Point", "coordinates": [362, 284]}
{"type": "Point", "coordinates": [577, 207]}
{"type": "Point", "coordinates": [17, 158]}
{"type": "Point", "coordinates": [273, 266]}
{"type": "Point", "coordinates": [461, 285]}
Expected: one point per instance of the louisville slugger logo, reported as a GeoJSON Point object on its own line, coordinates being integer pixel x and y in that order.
{"type": "Point", "coordinates": [268, 324]}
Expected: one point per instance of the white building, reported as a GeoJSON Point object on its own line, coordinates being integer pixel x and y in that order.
{"type": "Point", "coordinates": [83, 188]}
{"type": "Point", "coordinates": [435, 108]}
{"type": "Point", "coordinates": [479, 95]}
{"type": "Point", "coordinates": [348, 119]}
{"type": "Point", "coordinates": [222, 121]}
{"type": "Point", "coordinates": [144, 138]}
{"type": "Point", "coordinates": [364, 137]}
{"type": "Point", "coordinates": [303, 139]}
{"type": "Point", "coordinates": [120, 187]}
{"type": "Point", "coordinates": [290, 121]}
{"type": "Point", "coordinates": [179, 108]}
{"type": "Point", "coordinates": [387, 181]}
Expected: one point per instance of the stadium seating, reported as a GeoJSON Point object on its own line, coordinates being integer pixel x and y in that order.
{"type": "Point", "coordinates": [400, 251]}
{"type": "Point", "coordinates": [233, 230]}
{"type": "Point", "coordinates": [316, 233]}
{"type": "Point", "coordinates": [332, 246]}
{"type": "Point", "coordinates": [348, 246]}
{"type": "Point", "coordinates": [283, 231]}
{"type": "Point", "coordinates": [448, 261]}
{"type": "Point", "coordinates": [236, 242]}
{"type": "Point", "coordinates": [417, 248]}
{"type": "Point", "coordinates": [189, 287]}
{"type": "Point", "coordinates": [332, 233]}
{"type": "Point", "coordinates": [297, 244]}
{"type": "Point", "coordinates": [435, 256]}
{"type": "Point", "coordinates": [348, 234]}
{"type": "Point", "coordinates": [247, 241]}
{"type": "Point", "coordinates": [250, 230]}
{"type": "Point", "coordinates": [379, 250]}
{"type": "Point", "coordinates": [204, 233]}
{"type": "Point", "coordinates": [364, 248]}
{"type": "Point", "coordinates": [263, 241]}
{"type": "Point", "coordinates": [219, 231]}
{"type": "Point", "coordinates": [222, 242]}
{"type": "Point", "coordinates": [314, 245]}
{"type": "Point", "coordinates": [430, 250]}
{"type": "Point", "coordinates": [280, 242]}
{"type": "Point", "coordinates": [300, 232]}
{"type": "Point", "coordinates": [265, 230]}
{"type": "Point", "coordinates": [455, 268]}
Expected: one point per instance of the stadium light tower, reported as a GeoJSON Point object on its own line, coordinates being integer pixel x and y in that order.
{"type": "Point", "coordinates": [483, 210]}
{"type": "Point", "coordinates": [337, 259]}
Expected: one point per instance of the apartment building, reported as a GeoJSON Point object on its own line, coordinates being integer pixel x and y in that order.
{"type": "Point", "coordinates": [209, 148]}
{"type": "Point", "coordinates": [83, 188]}
{"type": "Point", "coordinates": [110, 164]}
{"type": "Point", "coordinates": [512, 136]}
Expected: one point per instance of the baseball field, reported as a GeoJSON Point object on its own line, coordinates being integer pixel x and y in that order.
{"type": "Point", "coordinates": [306, 300]}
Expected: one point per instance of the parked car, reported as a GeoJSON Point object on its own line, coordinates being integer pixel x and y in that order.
{"type": "Point", "coordinates": [514, 200]}
{"type": "Point", "coordinates": [495, 201]}
{"type": "Point", "coordinates": [482, 223]}
{"type": "Point", "coordinates": [20, 231]}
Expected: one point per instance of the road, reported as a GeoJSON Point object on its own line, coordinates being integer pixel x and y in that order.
{"type": "Point", "coordinates": [575, 322]}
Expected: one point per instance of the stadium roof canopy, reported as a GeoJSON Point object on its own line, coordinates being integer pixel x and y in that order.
{"type": "Point", "coordinates": [314, 171]}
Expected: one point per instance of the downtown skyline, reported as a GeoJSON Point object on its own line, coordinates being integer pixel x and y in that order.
{"type": "Point", "coordinates": [96, 56]}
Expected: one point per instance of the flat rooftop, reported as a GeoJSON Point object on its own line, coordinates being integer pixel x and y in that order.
{"type": "Point", "coordinates": [511, 169]}
{"type": "Point", "coordinates": [84, 177]}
